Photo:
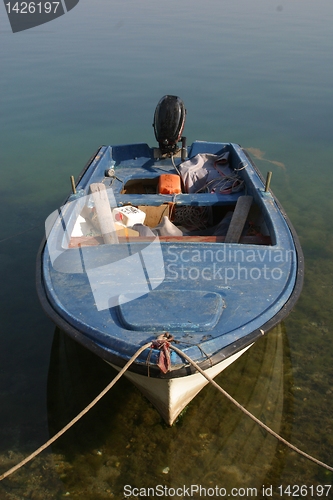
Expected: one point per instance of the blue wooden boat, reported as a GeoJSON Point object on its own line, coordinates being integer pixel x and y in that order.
{"type": "Point", "coordinates": [184, 245]}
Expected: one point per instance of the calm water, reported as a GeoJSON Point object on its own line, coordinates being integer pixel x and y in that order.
{"type": "Point", "coordinates": [254, 72]}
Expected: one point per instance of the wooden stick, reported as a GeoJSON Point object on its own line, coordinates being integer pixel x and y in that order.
{"type": "Point", "coordinates": [268, 181]}
{"type": "Point", "coordinates": [73, 184]}
{"type": "Point", "coordinates": [238, 220]}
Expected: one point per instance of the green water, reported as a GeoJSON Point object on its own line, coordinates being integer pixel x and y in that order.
{"type": "Point", "coordinates": [255, 72]}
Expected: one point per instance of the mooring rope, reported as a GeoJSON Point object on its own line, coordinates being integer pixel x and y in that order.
{"type": "Point", "coordinates": [80, 415]}
{"type": "Point", "coordinates": [21, 232]}
{"type": "Point", "coordinates": [197, 367]}
{"type": "Point", "coordinates": [249, 414]}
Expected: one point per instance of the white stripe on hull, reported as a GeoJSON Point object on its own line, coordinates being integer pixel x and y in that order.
{"type": "Point", "coordinates": [170, 396]}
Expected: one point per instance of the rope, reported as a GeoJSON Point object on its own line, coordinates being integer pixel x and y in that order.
{"type": "Point", "coordinates": [117, 377]}
{"type": "Point", "coordinates": [80, 415]}
{"type": "Point", "coordinates": [244, 410]}
{"type": "Point", "coordinates": [21, 232]}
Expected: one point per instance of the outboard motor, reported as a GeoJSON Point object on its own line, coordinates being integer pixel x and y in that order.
{"type": "Point", "coordinates": [169, 121]}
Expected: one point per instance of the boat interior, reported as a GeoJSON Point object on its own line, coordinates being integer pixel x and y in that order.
{"type": "Point", "coordinates": [167, 201]}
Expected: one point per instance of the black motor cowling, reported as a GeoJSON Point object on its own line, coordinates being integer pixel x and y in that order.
{"type": "Point", "coordinates": [169, 121]}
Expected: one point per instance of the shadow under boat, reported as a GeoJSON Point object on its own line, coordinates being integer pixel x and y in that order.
{"type": "Point", "coordinates": [211, 441]}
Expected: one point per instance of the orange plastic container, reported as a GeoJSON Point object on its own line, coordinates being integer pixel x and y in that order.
{"type": "Point", "coordinates": [169, 184]}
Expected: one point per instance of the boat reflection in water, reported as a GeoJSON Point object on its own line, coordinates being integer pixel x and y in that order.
{"type": "Point", "coordinates": [124, 441]}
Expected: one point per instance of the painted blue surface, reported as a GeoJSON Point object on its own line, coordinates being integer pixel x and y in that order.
{"type": "Point", "coordinates": [248, 283]}
{"type": "Point", "coordinates": [159, 308]}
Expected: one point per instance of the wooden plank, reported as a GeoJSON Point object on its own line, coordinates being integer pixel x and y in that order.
{"type": "Point", "coordinates": [104, 214]}
{"type": "Point", "coordinates": [258, 239]}
{"type": "Point", "coordinates": [238, 220]}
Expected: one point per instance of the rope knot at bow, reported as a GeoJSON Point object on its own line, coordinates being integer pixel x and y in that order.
{"type": "Point", "coordinates": [162, 343]}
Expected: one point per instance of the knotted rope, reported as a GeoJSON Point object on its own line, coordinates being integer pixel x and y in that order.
{"type": "Point", "coordinates": [163, 343]}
